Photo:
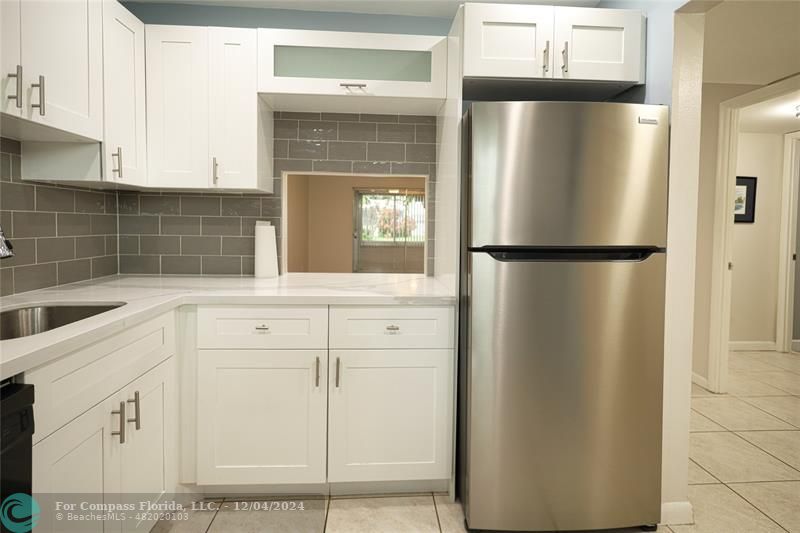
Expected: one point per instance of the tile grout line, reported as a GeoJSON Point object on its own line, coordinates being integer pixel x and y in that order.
{"type": "Point", "coordinates": [767, 412]}
{"type": "Point", "coordinates": [215, 515]}
{"type": "Point", "coordinates": [436, 510]}
{"type": "Point", "coordinates": [756, 507]}
{"type": "Point", "coordinates": [327, 511]}
{"type": "Point", "coordinates": [770, 454]}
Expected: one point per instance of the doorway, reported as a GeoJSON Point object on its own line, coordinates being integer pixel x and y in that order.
{"type": "Point", "coordinates": [755, 228]}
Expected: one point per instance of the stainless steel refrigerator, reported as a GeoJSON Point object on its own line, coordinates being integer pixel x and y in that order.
{"type": "Point", "coordinates": [562, 332]}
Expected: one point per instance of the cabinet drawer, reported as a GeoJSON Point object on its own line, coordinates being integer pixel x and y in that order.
{"type": "Point", "coordinates": [71, 385]}
{"type": "Point", "coordinates": [391, 327]}
{"type": "Point", "coordinates": [262, 327]}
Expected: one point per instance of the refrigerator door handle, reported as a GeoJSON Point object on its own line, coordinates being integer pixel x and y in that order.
{"type": "Point", "coordinates": [568, 253]}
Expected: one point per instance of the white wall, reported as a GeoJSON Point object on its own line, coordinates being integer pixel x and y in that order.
{"type": "Point", "coordinates": [754, 296]}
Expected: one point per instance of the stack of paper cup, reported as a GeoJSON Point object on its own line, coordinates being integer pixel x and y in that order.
{"type": "Point", "coordinates": [266, 250]}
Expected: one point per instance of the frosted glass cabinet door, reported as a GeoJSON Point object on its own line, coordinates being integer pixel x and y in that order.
{"type": "Point", "coordinates": [347, 63]}
{"type": "Point", "coordinates": [233, 99]}
{"type": "Point", "coordinates": [508, 41]}
{"type": "Point", "coordinates": [125, 142]}
{"type": "Point", "coordinates": [599, 44]}
{"type": "Point", "coordinates": [177, 106]}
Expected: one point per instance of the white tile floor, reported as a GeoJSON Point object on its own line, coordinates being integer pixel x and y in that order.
{"type": "Point", "coordinates": [744, 471]}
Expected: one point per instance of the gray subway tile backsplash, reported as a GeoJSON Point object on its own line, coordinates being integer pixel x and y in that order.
{"type": "Point", "coordinates": [63, 234]}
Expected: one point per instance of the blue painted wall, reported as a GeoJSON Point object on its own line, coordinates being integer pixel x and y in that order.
{"type": "Point", "coordinates": [660, 23]}
{"type": "Point", "coordinates": [247, 17]}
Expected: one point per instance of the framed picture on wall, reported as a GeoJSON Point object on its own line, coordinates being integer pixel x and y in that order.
{"type": "Point", "coordinates": [744, 203]}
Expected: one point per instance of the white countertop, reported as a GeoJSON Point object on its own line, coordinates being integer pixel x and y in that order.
{"type": "Point", "coordinates": [147, 297]}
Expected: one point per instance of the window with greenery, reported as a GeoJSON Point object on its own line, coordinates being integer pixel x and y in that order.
{"type": "Point", "coordinates": [391, 217]}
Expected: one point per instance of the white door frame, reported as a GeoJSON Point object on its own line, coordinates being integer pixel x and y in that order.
{"type": "Point", "coordinates": [723, 233]}
{"type": "Point", "coordinates": [791, 175]}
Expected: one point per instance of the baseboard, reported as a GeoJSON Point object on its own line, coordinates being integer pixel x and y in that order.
{"type": "Point", "coordinates": [676, 513]}
{"type": "Point", "coordinates": [753, 346]}
{"type": "Point", "coordinates": [697, 379]}
{"type": "Point", "coordinates": [796, 345]}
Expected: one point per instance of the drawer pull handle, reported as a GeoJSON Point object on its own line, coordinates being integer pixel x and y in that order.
{"type": "Point", "coordinates": [42, 98]}
{"type": "Point", "coordinates": [392, 328]}
{"type": "Point", "coordinates": [121, 413]}
{"type": "Point", "coordinates": [17, 75]}
{"type": "Point", "coordinates": [136, 413]}
{"type": "Point", "coordinates": [262, 327]}
{"type": "Point", "coordinates": [337, 372]}
{"type": "Point", "coordinates": [353, 85]}
{"type": "Point", "coordinates": [317, 380]}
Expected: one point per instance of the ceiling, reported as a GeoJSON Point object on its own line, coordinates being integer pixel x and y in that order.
{"type": "Point", "coordinates": [419, 8]}
{"type": "Point", "coordinates": [773, 116]}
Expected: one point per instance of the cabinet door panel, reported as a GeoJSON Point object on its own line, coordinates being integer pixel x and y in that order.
{"type": "Point", "coordinates": [10, 57]}
{"type": "Point", "coordinates": [234, 106]}
{"type": "Point", "coordinates": [144, 460]}
{"type": "Point", "coordinates": [62, 41]}
{"type": "Point", "coordinates": [599, 44]}
{"type": "Point", "coordinates": [261, 416]}
{"type": "Point", "coordinates": [390, 415]}
{"type": "Point", "coordinates": [124, 99]}
{"type": "Point", "coordinates": [177, 106]}
{"type": "Point", "coordinates": [508, 41]}
{"type": "Point", "coordinates": [80, 459]}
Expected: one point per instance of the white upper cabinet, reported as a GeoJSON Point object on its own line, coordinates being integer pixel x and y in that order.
{"type": "Point", "coordinates": [206, 128]}
{"type": "Point", "coordinates": [233, 107]}
{"type": "Point", "coordinates": [599, 44]}
{"type": "Point", "coordinates": [11, 86]}
{"type": "Point", "coordinates": [177, 107]}
{"type": "Point", "coordinates": [53, 50]}
{"type": "Point", "coordinates": [508, 41]}
{"type": "Point", "coordinates": [347, 63]}
{"type": "Point", "coordinates": [125, 139]}
{"type": "Point", "coordinates": [530, 42]}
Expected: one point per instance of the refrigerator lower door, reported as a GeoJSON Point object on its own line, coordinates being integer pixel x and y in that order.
{"type": "Point", "coordinates": [564, 393]}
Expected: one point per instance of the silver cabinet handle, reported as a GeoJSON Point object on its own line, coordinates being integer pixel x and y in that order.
{"type": "Point", "coordinates": [546, 58]}
{"type": "Point", "coordinates": [18, 77]}
{"type": "Point", "coordinates": [136, 413]}
{"type": "Point", "coordinates": [317, 380]}
{"type": "Point", "coordinates": [118, 155]}
{"type": "Point", "coordinates": [214, 170]}
{"type": "Point", "coordinates": [121, 413]}
{"type": "Point", "coordinates": [337, 372]}
{"type": "Point", "coordinates": [353, 85]}
{"type": "Point", "coordinates": [392, 328]}
{"type": "Point", "coordinates": [565, 57]}
{"type": "Point", "coordinates": [262, 327]}
{"type": "Point", "coordinates": [42, 97]}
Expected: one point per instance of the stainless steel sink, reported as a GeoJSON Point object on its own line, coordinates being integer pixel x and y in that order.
{"type": "Point", "coordinates": [26, 321]}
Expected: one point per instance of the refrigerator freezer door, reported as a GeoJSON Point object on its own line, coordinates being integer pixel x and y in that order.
{"type": "Point", "coordinates": [564, 380]}
{"type": "Point", "coordinates": [568, 174]}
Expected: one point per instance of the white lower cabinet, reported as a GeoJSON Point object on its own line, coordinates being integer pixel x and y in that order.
{"type": "Point", "coordinates": [261, 416]}
{"type": "Point", "coordinates": [116, 452]}
{"type": "Point", "coordinates": [390, 415]}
